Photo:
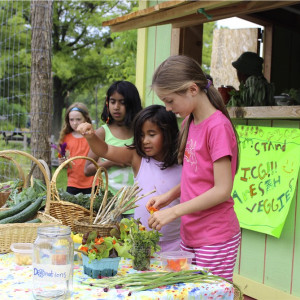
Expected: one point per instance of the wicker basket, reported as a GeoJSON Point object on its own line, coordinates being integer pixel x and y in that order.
{"type": "Point", "coordinates": [4, 195]}
{"type": "Point", "coordinates": [66, 211]}
{"type": "Point", "coordinates": [85, 224]}
{"type": "Point", "coordinates": [25, 232]}
{"type": "Point", "coordinates": [3, 198]}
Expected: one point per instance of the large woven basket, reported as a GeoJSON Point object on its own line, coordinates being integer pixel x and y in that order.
{"type": "Point", "coordinates": [66, 211]}
{"type": "Point", "coordinates": [4, 195]}
{"type": "Point", "coordinates": [25, 232]}
{"type": "Point", "coordinates": [85, 224]}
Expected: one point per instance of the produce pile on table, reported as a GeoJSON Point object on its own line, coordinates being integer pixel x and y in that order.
{"type": "Point", "coordinates": [23, 206]}
{"type": "Point", "coordinates": [120, 243]}
{"type": "Point", "coordinates": [84, 199]}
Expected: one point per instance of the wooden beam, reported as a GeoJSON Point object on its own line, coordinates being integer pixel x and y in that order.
{"type": "Point", "coordinates": [265, 112]}
{"type": "Point", "coordinates": [268, 35]}
{"type": "Point", "coordinates": [166, 15]}
{"type": "Point", "coordinates": [239, 8]}
{"type": "Point", "coordinates": [143, 12]}
{"type": "Point", "coordinates": [259, 290]}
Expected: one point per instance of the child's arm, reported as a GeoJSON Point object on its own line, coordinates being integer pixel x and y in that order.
{"type": "Point", "coordinates": [121, 155]}
{"type": "Point", "coordinates": [89, 167]}
{"type": "Point", "coordinates": [220, 192]}
{"type": "Point", "coordinates": [164, 199]}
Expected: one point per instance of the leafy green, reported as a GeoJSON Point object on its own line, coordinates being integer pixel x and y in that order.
{"type": "Point", "coordinates": [84, 199]}
{"type": "Point", "coordinates": [38, 189]}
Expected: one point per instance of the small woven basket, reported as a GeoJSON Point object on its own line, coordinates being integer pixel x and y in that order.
{"type": "Point", "coordinates": [66, 211]}
{"type": "Point", "coordinates": [24, 232]}
{"type": "Point", "coordinates": [85, 224]}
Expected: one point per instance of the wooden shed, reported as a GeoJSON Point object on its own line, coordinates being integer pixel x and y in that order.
{"type": "Point", "coordinates": [267, 268]}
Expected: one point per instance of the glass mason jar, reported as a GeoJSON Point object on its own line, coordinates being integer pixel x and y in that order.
{"type": "Point", "coordinates": [53, 254]}
{"type": "Point", "coordinates": [141, 258]}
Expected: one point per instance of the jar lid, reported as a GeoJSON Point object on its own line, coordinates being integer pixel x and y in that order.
{"type": "Point", "coordinates": [54, 231]}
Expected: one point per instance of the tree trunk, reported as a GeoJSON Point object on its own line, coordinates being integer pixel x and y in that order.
{"type": "Point", "coordinates": [41, 81]}
{"type": "Point", "coordinates": [58, 105]}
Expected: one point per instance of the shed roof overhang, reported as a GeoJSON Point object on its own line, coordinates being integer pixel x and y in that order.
{"type": "Point", "coordinates": [183, 13]}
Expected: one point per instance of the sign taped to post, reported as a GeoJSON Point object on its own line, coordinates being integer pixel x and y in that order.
{"type": "Point", "coordinates": [265, 183]}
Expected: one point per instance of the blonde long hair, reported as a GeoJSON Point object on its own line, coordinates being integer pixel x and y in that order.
{"type": "Point", "coordinates": [175, 75]}
{"type": "Point", "coordinates": [66, 126]}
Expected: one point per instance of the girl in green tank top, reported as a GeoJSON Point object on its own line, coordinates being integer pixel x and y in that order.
{"type": "Point", "coordinates": [121, 105]}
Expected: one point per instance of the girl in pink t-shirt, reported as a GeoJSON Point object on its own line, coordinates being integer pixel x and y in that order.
{"type": "Point", "coordinates": [208, 151]}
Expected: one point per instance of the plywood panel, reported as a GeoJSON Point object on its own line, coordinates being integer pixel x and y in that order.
{"type": "Point", "coordinates": [281, 252]}
{"type": "Point", "coordinates": [151, 49]}
{"type": "Point", "coordinates": [227, 46]}
{"type": "Point", "coordinates": [295, 286]}
{"type": "Point", "coordinates": [159, 49]}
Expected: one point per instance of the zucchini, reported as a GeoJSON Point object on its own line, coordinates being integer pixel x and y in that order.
{"type": "Point", "coordinates": [26, 214]}
{"type": "Point", "coordinates": [37, 220]}
{"type": "Point", "coordinates": [14, 209]}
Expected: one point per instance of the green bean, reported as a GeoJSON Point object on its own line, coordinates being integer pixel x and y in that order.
{"type": "Point", "coordinates": [144, 281]}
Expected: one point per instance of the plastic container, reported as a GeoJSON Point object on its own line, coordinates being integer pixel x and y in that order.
{"type": "Point", "coordinates": [176, 261]}
{"type": "Point", "coordinates": [106, 267]}
{"type": "Point", "coordinates": [23, 253]}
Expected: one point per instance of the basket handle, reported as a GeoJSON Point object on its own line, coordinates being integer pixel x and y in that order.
{"type": "Point", "coordinates": [30, 177]}
{"type": "Point", "coordinates": [94, 193]}
{"type": "Point", "coordinates": [53, 187]}
{"type": "Point", "coordinates": [41, 167]}
{"type": "Point", "coordinates": [21, 173]}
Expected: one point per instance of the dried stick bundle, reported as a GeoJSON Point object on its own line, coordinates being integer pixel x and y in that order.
{"type": "Point", "coordinates": [125, 199]}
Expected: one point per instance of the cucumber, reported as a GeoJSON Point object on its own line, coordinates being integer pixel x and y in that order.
{"type": "Point", "coordinates": [26, 214]}
{"type": "Point", "coordinates": [14, 209]}
{"type": "Point", "coordinates": [37, 220]}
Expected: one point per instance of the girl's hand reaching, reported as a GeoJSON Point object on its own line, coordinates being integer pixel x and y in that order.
{"type": "Point", "coordinates": [86, 129]}
{"type": "Point", "coordinates": [160, 218]}
{"type": "Point", "coordinates": [158, 202]}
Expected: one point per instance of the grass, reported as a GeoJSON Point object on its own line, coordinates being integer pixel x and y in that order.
{"type": "Point", "coordinates": [62, 178]}
{"type": "Point", "coordinates": [8, 171]}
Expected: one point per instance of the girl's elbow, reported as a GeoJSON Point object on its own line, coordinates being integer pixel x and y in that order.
{"type": "Point", "coordinates": [225, 193]}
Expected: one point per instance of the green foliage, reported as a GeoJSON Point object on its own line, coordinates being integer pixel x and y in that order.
{"type": "Point", "coordinates": [256, 91]}
{"type": "Point", "coordinates": [33, 192]}
{"type": "Point", "coordinates": [207, 45]}
{"type": "Point", "coordinates": [15, 61]}
{"type": "Point", "coordinates": [85, 53]}
{"type": "Point", "coordinates": [85, 199]}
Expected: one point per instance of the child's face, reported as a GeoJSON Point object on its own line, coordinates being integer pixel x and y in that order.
{"type": "Point", "coordinates": [179, 104]}
{"type": "Point", "coordinates": [117, 109]}
{"type": "Point", "coordinates": [75, 118]}
{"type": "Point", "coordinates": [152, 140]}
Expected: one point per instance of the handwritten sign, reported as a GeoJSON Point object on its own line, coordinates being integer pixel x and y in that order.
{"type": "Point", "coordinates": [265, 183]}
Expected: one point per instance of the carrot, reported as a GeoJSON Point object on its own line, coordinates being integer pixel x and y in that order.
{"type": "Point", "coordinates": [152, 209]}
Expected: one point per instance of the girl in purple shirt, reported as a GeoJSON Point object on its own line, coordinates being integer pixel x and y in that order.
{"type": "Point", "coordinates": [153, 158]}
{"type": "Point", "coordinates": [208, 151]}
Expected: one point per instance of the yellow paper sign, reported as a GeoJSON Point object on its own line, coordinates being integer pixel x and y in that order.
{"type": "Point", "coordinates": [265, 183]}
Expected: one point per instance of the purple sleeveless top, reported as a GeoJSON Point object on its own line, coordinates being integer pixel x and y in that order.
{"type": "Point", "coordinates": [151, 177]}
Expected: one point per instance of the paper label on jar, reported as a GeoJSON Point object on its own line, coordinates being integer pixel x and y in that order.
{"type": "Point", "coordinates": [51, 272]}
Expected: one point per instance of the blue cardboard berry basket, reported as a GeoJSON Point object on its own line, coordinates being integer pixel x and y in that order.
{"type": "Point", "coordinates": [105, 267]}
